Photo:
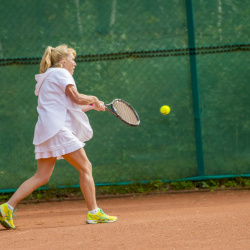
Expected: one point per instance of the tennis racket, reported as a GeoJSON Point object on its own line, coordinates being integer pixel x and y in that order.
{"type": "Point", "coordinates": [124, 111]}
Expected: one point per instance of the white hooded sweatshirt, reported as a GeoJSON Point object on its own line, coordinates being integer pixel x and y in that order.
{"type": "Point", "coordinates": [53, 105]}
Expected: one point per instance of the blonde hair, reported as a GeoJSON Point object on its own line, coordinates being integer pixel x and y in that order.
{"type": "Point", "coordinates": [52, 56]}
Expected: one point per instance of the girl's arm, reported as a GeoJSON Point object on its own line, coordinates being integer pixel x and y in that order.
{"type": "Point", "coordinates": [84, 100]}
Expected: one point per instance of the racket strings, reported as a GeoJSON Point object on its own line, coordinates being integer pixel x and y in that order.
{"type": "Point", "coordinates": [125, 112]}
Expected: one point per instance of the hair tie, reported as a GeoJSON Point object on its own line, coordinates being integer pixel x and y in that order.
{"type": "Point", "coordinates": [52, 49]}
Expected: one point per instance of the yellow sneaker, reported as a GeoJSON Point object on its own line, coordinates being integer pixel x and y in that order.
{"type": "Point", "coordinates": [6, 216]}
{"type": "Point", "coordinates": [100, 217]}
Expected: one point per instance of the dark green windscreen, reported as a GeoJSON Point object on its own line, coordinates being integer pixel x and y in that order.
{"type": "Point", "coordinates": [138, 51]}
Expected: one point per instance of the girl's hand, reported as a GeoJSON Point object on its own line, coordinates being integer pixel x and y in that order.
{"type": "Point", "coordinates": [102, 106]}
{"type": "Point", "coordinates": [99, 106]}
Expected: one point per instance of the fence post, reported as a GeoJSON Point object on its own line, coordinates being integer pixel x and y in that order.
{"type": "Point", "coordinates": [195, 88]}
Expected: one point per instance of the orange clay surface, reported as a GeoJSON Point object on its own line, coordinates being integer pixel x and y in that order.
{"type": "Point", "coordinates": [194, 220]}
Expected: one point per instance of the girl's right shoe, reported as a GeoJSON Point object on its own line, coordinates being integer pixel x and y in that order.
{"type": "Point", "coordinates": [6, 216]}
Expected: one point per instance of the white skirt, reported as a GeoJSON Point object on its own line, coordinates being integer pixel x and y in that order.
{"type": "Point", "coordinates": [64, 142]}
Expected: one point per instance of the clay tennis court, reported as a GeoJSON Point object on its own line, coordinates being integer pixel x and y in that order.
{"type": "Point", "coordinates": [193, 220]}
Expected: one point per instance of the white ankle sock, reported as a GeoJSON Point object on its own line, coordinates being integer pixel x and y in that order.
{"type": "Point", "coordinates": [94, 211]}
{"type": "Point", "coordinates": [10, 207]}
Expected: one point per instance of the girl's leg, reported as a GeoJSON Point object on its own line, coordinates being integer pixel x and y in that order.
{"type": "Point", "coordinates": [44, 170]}
{"type": "Point", "coordinates": [80, 161]}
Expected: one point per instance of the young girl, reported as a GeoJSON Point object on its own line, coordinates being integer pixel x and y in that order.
{"type": "Point", "coordinates": [60, 132]}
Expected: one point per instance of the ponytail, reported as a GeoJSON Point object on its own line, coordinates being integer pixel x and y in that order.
{"type": "Point", "coordinates": [46, 60]}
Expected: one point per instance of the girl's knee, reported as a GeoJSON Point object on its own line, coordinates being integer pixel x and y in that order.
{"type": "Point", "coordinates": [86, 168]}
{"type": "Point", "coordinates": [42, 179]}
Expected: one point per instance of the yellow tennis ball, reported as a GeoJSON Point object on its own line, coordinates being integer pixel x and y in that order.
{"type": "Point", "coordinates": [165, 109]}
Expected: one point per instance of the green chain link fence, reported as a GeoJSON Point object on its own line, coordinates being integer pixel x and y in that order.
{"type": "Point", "coordinates": [190, 55]}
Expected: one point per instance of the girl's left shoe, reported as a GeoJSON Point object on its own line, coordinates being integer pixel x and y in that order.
{"type": "Point", "coordinates": [100, 217]}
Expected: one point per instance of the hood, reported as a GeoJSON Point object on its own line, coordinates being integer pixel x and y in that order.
{"type": "Point", "coordinates": [40, 79]}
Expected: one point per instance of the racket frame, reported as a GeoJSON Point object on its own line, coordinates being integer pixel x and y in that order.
{"type": "Point", "coordinates": [113, 111]}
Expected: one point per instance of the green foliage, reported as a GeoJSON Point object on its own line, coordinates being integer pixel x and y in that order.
{"type": "Point", "coordinates": [212, 184]}
{"type": "Point", "coordinates": [245, 182]}
{"type": "Point", "coordinates": [153, 187]}
{"type": "Point", "coordinates": [183, 185]}
{"type": "Point", "coordinates": [204, 184]}
{"type": "Point", "coordinates": [231, 184]}
{"type": "Point", "coordinates": [158, 185]}
{"type": "Point", "coordinates": [4, 197]}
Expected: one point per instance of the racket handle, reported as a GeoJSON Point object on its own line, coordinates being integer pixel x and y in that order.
{"type": "Point", "coordinates": [110, 111]}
